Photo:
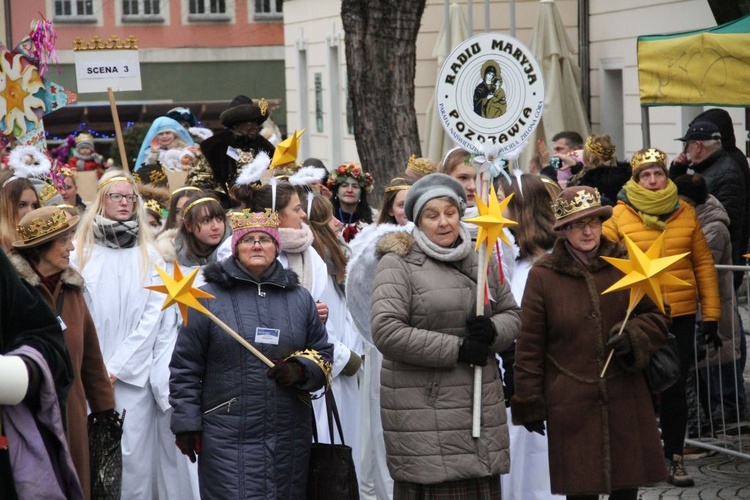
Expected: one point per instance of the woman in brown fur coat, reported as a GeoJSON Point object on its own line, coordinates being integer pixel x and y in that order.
{"type": "Point", "coordinates": [603, 437]}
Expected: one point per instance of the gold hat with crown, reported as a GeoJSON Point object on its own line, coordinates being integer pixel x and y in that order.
{"type": "Point", "coordinates": [153, 205]}
{"type": "Point", "coordinates": [246, 219]}
{"type": "Point", "coordinates": [576, 203]}
{"type": "Point", "coordinates": [47, 192]}
{"type": "Point", "coordinates": [42, 225]}
{"type": "Point", "coordinates": [650, 155]}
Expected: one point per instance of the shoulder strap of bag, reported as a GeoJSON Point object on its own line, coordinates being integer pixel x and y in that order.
{"type": "Point", "coordinates": [333, 411]}
{"type": "Point", "coordinates": [314, 425]}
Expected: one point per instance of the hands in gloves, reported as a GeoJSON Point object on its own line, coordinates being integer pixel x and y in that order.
{"type": "Point", "coordinates": [620, 344]}
{"type": "Point", "coordinates": [711, 331]}
{"type": "Point", "coordinates": [536, 426]}
{"type": "Point", "coordinates": [189, 444]}
{"type": "Point", "coordinates": [474, 352]}
{"type": "Point", "coordinates": [287, 373]}
{"type": "Point", "coordinates": [481, 329]}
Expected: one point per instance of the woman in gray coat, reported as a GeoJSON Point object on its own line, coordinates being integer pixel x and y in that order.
{"type": "Point", "coordinates": [249, 426]}
{"type": "Point", "coordinates": [424, 323]}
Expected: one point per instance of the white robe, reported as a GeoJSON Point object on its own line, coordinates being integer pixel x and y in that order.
{"type": "Point", "coordinates": [127, 318]}
{"type": "Point", "coordinates": [529, 458]}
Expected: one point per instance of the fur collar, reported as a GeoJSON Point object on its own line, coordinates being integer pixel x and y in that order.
{"type": "Point", "coordinates": [399, 243]}
{"type": "Point", "coordinates": [165, 244]}
{"type": "Point", "coordinates": [561, 261]}
{"type": "Point", "coordinates": [227, 274]}
{"type": "Point", "coordinates": [70, 276]}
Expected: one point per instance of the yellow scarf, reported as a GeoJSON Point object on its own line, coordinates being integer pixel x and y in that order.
{"type": "Point", "coordinates": [650, 205]}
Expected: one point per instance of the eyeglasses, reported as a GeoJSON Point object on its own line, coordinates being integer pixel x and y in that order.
{"type": "Point", "coordinates": [263, 241]}
{"type": "Point", "coordinates": [580, 226]}
{"type": "Point", "coordinates": [117, 197]}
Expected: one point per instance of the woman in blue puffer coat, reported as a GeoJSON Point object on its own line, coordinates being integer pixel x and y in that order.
{"type": "Point", "coordinates": [250, 426]}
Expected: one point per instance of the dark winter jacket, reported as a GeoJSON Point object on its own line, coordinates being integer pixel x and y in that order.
{"type": "Point", "coordinates": [726, 182]}
{"type": "Point", "coordinates": [255, 435]}
{"type": "Point", "coordinates": [608, 180]}
{"type": "Point", "coordinates": [602, 431]}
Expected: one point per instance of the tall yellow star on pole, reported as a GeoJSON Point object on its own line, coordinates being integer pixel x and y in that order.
{"type": "Point", "coordinates": [645, 273]}
{"type": "Point", "coordinates": [286, 151]}
{"type": "Point", "coordinates": [180, 290]}
{"type": "Point", "coordinates": [491, 221]}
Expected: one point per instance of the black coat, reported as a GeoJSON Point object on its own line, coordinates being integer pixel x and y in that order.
{"type": "Point", "coordinates": [608, 180]}
{"type": "Point", "coordinates": [224, 168]}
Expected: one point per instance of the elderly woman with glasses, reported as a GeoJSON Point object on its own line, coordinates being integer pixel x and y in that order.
{"type": "Point", "coordinates": [249, 426]}
{"type": "Point", "coordinates": [648, 207]}
{"type": "Point", "coordinates": [115, 255]}
{"type": "Point", "coordinates": [602, 431]}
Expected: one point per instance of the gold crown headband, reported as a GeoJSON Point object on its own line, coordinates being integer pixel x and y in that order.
{"type": "Point", "coordinates": [581, 201]}
{"type": "Point", "coordinates": [42, 227]}
{"type": "Point", "coordinates": [247, 219]}
{"type": "Point", "coordinates": [421, 165]}
{"type": "Point", "coordinates": [48, 192]}
{"type": "Point", "coordinates": [183, 189]}
{"type": "Point", "coordinates": [604, 152]}
{"type": "Point", "coordinates": [154, 177]}
{"type": "Point", "coordinates": [153, 205]}
{"type": "Point", "coordinates": [196, 202]}
{"type": "Point", "coordinates": [119, 178]}
{"type": "Point", "coordinates": [651, 155]}
{"type": "Point", "coordinates": [399, 187]}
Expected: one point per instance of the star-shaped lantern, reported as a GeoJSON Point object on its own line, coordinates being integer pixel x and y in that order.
{"type": "Point", "coordinates": [645, 273]}
{"type": "Point", "coordinates": [286, 151]}
{"type": "Point", "coordinates": [491, 221]}
{"type": "Point", "coordinates": [180, 290]}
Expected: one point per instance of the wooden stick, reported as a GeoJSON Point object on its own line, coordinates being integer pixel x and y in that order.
{"type": "Point", "coordinates": [118, 130]}
{"type": "Point", "coordinates": [482, 265]}
{"type": "Point", "coordinates": [239, 339]}
{"type": "Point", "coordinates": [611, 353]}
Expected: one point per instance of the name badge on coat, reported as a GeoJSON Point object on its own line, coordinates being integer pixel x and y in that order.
{"type": "Point", "coordinates": [267, 336]}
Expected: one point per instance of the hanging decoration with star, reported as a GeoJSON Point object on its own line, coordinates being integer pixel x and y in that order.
{"type": "Point", "coordinates": [645, 274]}
{"type": "Point", "coordinates": [25, 95]}
{"type": "Point", "coordinates": [180, 291]}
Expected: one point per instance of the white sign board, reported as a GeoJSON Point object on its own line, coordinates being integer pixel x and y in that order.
{"type": "Point", "coordinates": [490, 88]}
{"type": "Point", "coordinates": [97, 70]}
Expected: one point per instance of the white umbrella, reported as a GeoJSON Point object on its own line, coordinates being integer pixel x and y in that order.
{"type": "Point", "coordinates": [563, 106]}
{"type": "Point", "coordinates": [436, 141]}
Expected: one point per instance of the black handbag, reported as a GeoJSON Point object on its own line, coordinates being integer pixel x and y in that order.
{"type": "Point", "coordinates": [663, 371]}
{"type": "Point", "coordinates": [331, 474]}
{"type": "Point", "coordinates": [105, 435]}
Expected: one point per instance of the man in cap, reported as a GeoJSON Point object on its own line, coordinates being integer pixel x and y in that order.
{"type": "Point", "coordinates": [705, 156]}
{"type": "Point", "coordinates": [215, 168]}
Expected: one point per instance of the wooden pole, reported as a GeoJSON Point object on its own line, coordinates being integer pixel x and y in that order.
{"type": "Point", "coordinates": [483, 190]}
{"type": "Point", "coordinates": [118, 130]}
{"type": "Point", "coordinates": [634, 299]}
{"type": "Point", "coordinates": [239, 339]}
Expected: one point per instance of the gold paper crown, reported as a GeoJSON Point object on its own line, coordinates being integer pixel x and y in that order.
{"type": "Point", "coordinates": [48, 192]}
{"type": "Point", "coordinates": [600, 150]}
{"type": "Point", "coordinates": [397, 187]}
{"type": "Point", "coordinates": [650, 155]}
{"type": "Point", "coordinates": [247, 219]}
{"type": "Point", "coordinates": [154, 177]}
{"type": "Point", "coordinates": [581, 201]}
{"type": "Point", "coordinates": [421, 165]}
{"type": "Point", "coordinates": [153, 205]}
{"type": "Point", "coordinates": [42, 227]}
{"type": "Point", "coordinates": [316, 358]}
{"type": "Point", "coordinates": [263, 105]}
{"type": "Point", "coordinates": [67, 172]}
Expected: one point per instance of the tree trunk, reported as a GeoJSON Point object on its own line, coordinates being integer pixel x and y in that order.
{"type": "Point", "coordinates": [380, 41]}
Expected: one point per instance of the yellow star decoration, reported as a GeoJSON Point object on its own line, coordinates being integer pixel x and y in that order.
{"type": "Point", "coordinates": [491, 221]}
{"type": "Point", "coordinates": [180, 290]}
{"type": "Point", "coordinates": [286, 151]}
{"type": "Point", "coordinates": [645, 273]}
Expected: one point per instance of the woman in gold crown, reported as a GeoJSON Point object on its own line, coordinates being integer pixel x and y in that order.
{"type": "Point", "coordinates": [115, 254]}
{"type": "Point", "coordinates": [601, 170]}
{"type": "Point", "coordinates": [649, 206]}
{"type": "Point", "coordinates": [41, 257]}
{"type": "Point", "coordinates": [602, 431]}
{"type": "Point", "coordinates": [250, 427]}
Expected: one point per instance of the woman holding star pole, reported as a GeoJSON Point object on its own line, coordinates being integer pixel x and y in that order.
{"type": "Point", "coordinates": [248, 425]}
{"type": "Point", "coordinates": [602, 431]}
{"type": "Point", "coordinates": [648, 206]}
{"type": "Point", "coordinates": [425, 324]}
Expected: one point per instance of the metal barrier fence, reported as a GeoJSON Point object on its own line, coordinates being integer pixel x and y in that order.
{"type": "Point", "coordinates": [717, 419]}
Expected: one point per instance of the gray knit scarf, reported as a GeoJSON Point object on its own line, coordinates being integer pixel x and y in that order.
{"type": "Point", "coordinates": [445, 254]}
{"type": "Point", "coordinates": [115, 234]}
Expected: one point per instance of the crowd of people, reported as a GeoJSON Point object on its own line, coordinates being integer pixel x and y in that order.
{"type": "Point", "coordinates": [379, 306]}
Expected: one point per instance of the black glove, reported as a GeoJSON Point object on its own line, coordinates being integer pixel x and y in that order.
{"type": "Point", "coordinates": [473, 352]}
{"type": "Point", "coordinates": [620, 344]}
{"type": "Point", "coordinates": [287, 373]}
{"type": "Point", "coordinates": [535, 426]}
{"type": "Point", "coordinates": [481, 329]}
{"type": "Point", "coordinates": [189, 444]}
{"type": "Point", "coordinates": [711, 331]}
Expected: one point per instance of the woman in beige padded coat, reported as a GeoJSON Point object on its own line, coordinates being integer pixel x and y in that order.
{"type": "Point", "coordinates": [424, 323]}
